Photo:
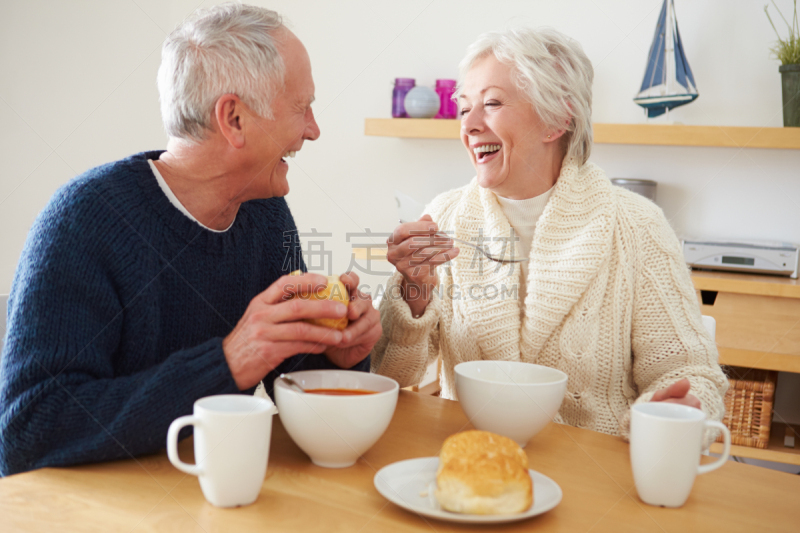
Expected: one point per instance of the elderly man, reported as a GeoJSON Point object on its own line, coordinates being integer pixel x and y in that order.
{"type": "Point", "coordinates": [150, 282]}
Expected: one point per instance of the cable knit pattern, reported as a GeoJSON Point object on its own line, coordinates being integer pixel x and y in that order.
{"type": "Point", "coordinates": [117, 314]}
{"type": "Point", "coordinates": [609, 301]}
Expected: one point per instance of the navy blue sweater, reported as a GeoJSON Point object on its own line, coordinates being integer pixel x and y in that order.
{"type": "Point", "coordinates": [117, 313]}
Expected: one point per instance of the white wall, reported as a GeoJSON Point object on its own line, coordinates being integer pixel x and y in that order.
{"type": "Point", "coordinates": [77, 88]}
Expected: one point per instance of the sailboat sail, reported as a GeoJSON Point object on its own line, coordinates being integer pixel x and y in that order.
{"type": "Point", "coordinates": [668, 80]}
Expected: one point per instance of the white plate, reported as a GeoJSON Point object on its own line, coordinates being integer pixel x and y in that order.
{"type": "Point", "coordinates": [411, 485]}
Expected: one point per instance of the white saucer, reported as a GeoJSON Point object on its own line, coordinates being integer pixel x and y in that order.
{"type": "Point", "coordinates": [411, 485]}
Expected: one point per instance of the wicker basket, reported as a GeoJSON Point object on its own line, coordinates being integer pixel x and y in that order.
{"type": "Point", "coordinates": [748, 406]}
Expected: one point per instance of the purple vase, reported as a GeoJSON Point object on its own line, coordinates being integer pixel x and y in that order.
{"type": "Point", "coordinates": [401, 87]}
{"type": "Point", "coordinates": [448, 109]}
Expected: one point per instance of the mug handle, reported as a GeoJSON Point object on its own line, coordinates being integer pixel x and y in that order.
{"type": "Point", "coordinates": [172, 444]}
{"type": "Point", "coordinates": [704, 469]}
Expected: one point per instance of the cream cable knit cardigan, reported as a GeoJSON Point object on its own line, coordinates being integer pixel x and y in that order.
{"type": "Point", "coordinates": [610, 303]}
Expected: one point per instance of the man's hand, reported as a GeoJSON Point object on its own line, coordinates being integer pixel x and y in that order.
{"type": "Point", "coordinates": [363, 331]}
{"type": "Point", "coordinates": [678, 392]}
{"type": "Point", "coordinates": [272, 328]}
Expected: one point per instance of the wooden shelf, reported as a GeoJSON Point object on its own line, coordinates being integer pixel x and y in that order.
{"type": "Point", "coordinates": [376, 253]}
{"type": "Point", "coordinates": [676, 135]}
{"type": "Point", "coordinates": [414, 128]}
{"type": "Point", "coordinates": [759, 285]}
{"type": "Point", "coordinates": [764, 360]}
{"type": "Point", "coordinates": [775, 450]}
{"type": "Point", "coordinates": [651, 134]}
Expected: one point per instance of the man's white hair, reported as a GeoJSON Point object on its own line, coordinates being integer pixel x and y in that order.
{"type": "Point", "coordinates": [553, 72]}
{"type": "Point", "coordinates": [229, 48]}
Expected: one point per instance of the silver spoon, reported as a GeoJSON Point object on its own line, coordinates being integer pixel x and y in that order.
{"type": "Point", "coordinates": [292, 383]}
{"type": "Point", "coordinates": [479, 248]}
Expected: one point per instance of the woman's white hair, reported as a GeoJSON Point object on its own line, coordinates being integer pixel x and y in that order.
{"type": "Point", "coordinates": [229, 48]}
{"type": "Point", "coordinates": [553, 72]}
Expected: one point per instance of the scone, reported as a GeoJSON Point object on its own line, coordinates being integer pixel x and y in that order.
{"type": "Point", "coordinates": [335, 291]}
{"type": "Point", "coordinates": [483, 473]}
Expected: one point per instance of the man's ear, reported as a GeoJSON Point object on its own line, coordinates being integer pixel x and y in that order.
{"type": "Point", "coordinates": [229, 113]}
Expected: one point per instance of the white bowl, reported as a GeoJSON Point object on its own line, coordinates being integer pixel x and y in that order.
{"type": "Point", "coordinates": [509, 398]}
{"type": "Point", "coordinates": [336, 430]}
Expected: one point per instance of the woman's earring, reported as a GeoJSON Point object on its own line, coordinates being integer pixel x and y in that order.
{"type": "Point", "coordinates": [548, 136]}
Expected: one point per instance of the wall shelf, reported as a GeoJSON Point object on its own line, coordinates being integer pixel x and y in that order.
{"type": "Point", "coordinates": [650, 134]}
{"type": "Point", "coordinates": [413, 128]}
{"type": "Point", "coordinates": [746, 284]}
{"type": "Point", "coordinates": [375, 253]}
{"type": "Point", "coordinates": [781, 362]}
{"type": "Point", "coordinates": [775, 450]}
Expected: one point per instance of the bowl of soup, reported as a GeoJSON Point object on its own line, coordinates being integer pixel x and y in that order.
{"type": "Point", "coordinates": [510, 398]}
{"type": "Point", "coordinates": [340, 416]}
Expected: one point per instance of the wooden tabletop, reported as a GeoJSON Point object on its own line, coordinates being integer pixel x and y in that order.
{"type": "Point", "coordinates": [593, 470]}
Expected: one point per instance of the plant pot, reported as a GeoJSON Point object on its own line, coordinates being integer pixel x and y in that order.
{"type": "Point", "coordinates": [790, 82]}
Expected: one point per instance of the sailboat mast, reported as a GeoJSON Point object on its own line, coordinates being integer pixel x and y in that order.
{"type": "Point", "coordinates": [669, 49]}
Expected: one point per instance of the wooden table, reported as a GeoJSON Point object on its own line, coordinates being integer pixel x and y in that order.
{"type": "Point", "coordinates": [148, 494]}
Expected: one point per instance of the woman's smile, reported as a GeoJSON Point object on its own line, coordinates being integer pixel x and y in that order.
{"type": "Point", "coordinates": [486, 152]}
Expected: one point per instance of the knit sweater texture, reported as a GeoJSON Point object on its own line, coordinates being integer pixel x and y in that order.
{"type": "Point", "coordinates": [117, 313]}
{"type": "Point", "coordinates": [609, 302]}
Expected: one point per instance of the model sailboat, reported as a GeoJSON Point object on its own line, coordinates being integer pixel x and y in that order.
{"type": "Point", "coordinates": [668, 80]}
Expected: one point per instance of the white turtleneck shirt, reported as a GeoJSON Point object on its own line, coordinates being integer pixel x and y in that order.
{"type": "Point", "coordinates": [523, 215]}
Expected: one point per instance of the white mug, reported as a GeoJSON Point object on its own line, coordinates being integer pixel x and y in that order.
{"type": "Point", "coordinates": [231, 446]}
{"type": "Point", "coordinates": [666, 443]}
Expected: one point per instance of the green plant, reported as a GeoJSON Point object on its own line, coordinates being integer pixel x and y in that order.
{"type": "Point", "coordinates": [787, 51]}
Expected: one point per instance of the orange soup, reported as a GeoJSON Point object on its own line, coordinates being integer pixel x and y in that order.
{"type": "Point", "coordinates": [341, 392]}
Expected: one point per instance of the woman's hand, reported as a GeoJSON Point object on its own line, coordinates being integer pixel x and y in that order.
{"type": "Point", "coordinates": [678, 392]}
{"type": "Point", "coordinates": [416, 249]}
{"type": "Point", "coordinates": [362, 332]}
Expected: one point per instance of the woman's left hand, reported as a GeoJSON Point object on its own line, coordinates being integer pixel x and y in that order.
{"type": "Point", "coordinates": [362, 332]}
{"type": "Point", "coordinates": [678, 392]}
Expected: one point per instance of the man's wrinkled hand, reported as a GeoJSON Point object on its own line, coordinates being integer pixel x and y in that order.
{"type": "Point", "coordinates": [362, 332]}
{"type": "Point", "coordinates": [272, 328]}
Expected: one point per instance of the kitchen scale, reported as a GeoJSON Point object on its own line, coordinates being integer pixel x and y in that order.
{"type": "Point", "coordinates": [758, 257]}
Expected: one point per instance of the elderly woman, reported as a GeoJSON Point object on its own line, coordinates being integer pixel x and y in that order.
{"type": "Point", "coordinates": [604, 296]}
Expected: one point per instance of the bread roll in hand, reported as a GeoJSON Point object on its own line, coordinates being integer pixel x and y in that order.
{"type": "Point", "coordinates": [335, 291]}
{"type": "Point", "coordinates": [483, 473]}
